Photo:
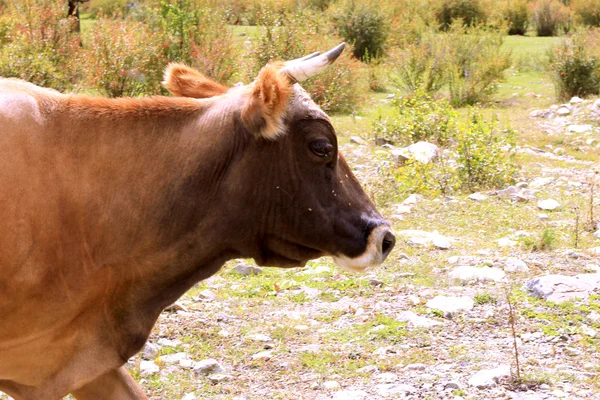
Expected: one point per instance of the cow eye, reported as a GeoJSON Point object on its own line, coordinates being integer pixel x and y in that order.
{"type": "Point", "coordinates": [321, 148]}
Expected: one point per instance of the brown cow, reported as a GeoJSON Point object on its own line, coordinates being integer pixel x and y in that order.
{"type": "Point", "coordinates": [112, 208]}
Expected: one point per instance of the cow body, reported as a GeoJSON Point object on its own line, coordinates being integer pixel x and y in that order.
{"type": "Point", "coordinates": [112, 208]}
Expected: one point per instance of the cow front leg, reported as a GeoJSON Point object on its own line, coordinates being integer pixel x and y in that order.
{"type": "Point", "coordinates": [116, 384]}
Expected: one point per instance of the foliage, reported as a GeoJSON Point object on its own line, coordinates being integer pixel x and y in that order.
{"type": "Point", "coordinates": [39, 44]}
{"type": "Point", "coordinates": [575, 65]}
{"type": "Point", "coordinates": [470, 12]}
{"type": "Point", "coordinates": [587, 11]}
{"type": "Point", "coordinates": [418, 117]}
{"type": "Point", "coordinates": [123, 58]}
{"type": "Point", "coordinates": [105, 8]}
{"type": "Point", "coordinates": [338, 88]}
{"type": "Point", "coordinates": [545, 241]}
{"type": "Point", "coordinates": [549, 17]}
{"type": "Point", "coordinates": [516, 14]}
{"type": "Point", "coordinates": [365, 26]}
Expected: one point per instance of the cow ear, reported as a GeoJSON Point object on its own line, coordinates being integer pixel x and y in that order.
{"type": "Point", "coordinates": [183, 81]}
{"type": "Point", "coordinates": [267, 104]}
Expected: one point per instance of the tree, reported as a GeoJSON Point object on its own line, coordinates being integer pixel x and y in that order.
{"type": "Point", "coordinates": [74, 11]}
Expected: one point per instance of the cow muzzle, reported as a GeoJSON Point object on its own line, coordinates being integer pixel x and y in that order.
{"type": "Point", "coordinates": [380, 243]}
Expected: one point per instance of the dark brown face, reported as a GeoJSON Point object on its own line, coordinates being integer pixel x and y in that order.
{"type": "Point", "coordinates": [307, 203]}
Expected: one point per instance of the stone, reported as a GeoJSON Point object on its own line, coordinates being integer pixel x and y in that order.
{"type": "Point", "coordinates": [563, 110]}
{"type": "Point", "coordinates": [401, 209]}
{"type": "Point", "coordinates": [506, 242]}
{"type": "Point", "coordinates": [263, 355]}
{"type": "Point", "coordinates": [259, 337]}
{"type": "Point", "coordinates": [150, 351]}
{"type": "Point", "coordinates": [216, 378]}
{"type": "Point", "coordinates": [513, 264]}
{"type": "Point", "coordinates": [560, 288]}
{"type": "Point", "coordinates": [207, 295]}
{"type": "Point", "coordinates": [413, 199]}
{"type": "Point", "coordinates": [173, 358]}
{"type": "Point", "coordinates": [168, 342]}
{"type": "Point", "coordinates": [247, 269]}
{"type": "Point", "coordinates": [559, 151]}
{"type": "Point", "coordinates": [351, 395]}
{"type": "Point", "coordinates": [450, 304]}
{"type": "Point", "coordinates": [358, 140]}
{"type": "Point", "coordinates": [542, 216]}
{"type": "Point", "coordinates": [189, 396]}
{"type": "Point", "coordinates": [423, 238]}
{"type": "Point", "coordinates": [331, 385]}
{"type": "Point", "coordinates": [487, 378]}
{"type": "Point", "coordinates": [548, 204]}
{"type": "Point", "coordinates": [579, 128]}
{"type": "Point", "coordinates": [423, 151]}
{"type": "Point", "coordinates": [186, 363]}
{"type": "Point", "coordinates": [368, 369]}
{"type": "Point", "coordinates": [597, 234]}
{"type": "Point", "coordinates": [478, 197]}
{"type": "Point", "coordinates": [415, 367]}
{"type": "Point", "coordinates": [387, 377]}
{"type": "Point", "coordinates": [466, 274]}
{"type": "Point", "coordinates": [588, 331]}
{"type": "Point", "coordinates": [441, 242]}
{"type": "Point", "coordinates": [540, 182]}
{"type": "Point", "coordinates": [394, 389]}
{"type": "Point", "coordinates": [207, 367]}
{"type": "Point", "coordinates": [576, 100]}
{"type": "Point", "coordinates": [148, 368]}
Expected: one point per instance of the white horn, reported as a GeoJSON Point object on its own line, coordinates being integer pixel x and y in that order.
{"type": "Point", "coordinates": [305, 67]}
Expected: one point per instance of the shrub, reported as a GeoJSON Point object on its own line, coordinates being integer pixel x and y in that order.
{"type": "Point", "coordinates": [587, 11]}
{"type": "Point", "coordinates": [123, 58]}
{"type": "Point", "coordinates": [105, 8]}
{"type": "Point", "coordinates": [418, 117]}
{"type": "Point", "coordinates": [39, 44]}
{"type": "Point", "coordinates": [516, 15]}
{"type": "Point", "coordinates": [575, 65]}
{"type": "Point", "coordinates": [365, 27]}
{"type": "Point", "coordinates": [549, 17]}
{"type": "Point", "coordinates": [339, 88]}
{"type": "Point", "coordinates": [470, 12]}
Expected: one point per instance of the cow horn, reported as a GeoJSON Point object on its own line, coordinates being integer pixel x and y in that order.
{"type": "Point", "coordinates": [303, 68]}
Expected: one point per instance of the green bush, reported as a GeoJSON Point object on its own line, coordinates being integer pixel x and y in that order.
{"type": "Point", "coordinates": [417, 117]}
{"type": "Point", "coordinates": [550, 17]}
{"type": "Point", "coordinates": [339, 88]}
{"type": "Point", "coordinates": [587, 11]}
{"type": "Point", "coordinates": [123, 58]}
{"type": "Point", "coordinates": [516, 15]}
{"type": "Point", "coordinates": [575, 65]}
{"type": "Point", "coordinates": [470, 12]}
{"type": "Point", "coordinates": [44, 47]}
{"type": "Point", "coordinates": [365, 27]}
{"type": "Point", "coordinates": [104, 8]}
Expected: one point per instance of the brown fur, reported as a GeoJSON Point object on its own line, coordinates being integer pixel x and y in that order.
{"type": "Point", "coordinates": [183, 81]}
{"type": "Point", "coordinates": [267, 105]}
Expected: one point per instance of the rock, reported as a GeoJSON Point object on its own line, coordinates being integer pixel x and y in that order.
{"type": "Point", "coordinates": [416, 320]}
{"type": "Point", "coordinates": [189, 396]}
{"type": "Point", "coordinates": [548, 204]}
{"type": "Point", "coordinates": [387, 377]}
{"type": "Point", "coordinates": [424, 238]}
{"type": "Point", "coordinates": [394, 389]}
{"type": "Point", "coordinates": [579, 128]}
{"type": "Point", "coordinates": [331, 385]}
{"type": "Point", "coordinates": [450, 304]}
{"type": "Point", "coordinates": [401, 209]}
{"type": "Point", "coordinates": [368, 369]}
{"type": "Point", "coordinates": [597, 234]}
{"type": "Point", "coordinates": [207, 295]}
{"type": "Point", "coordinates": [422, 152]}
{"type": "Point", "coordinates": [563, 110]}
{"type": "Point", "coordinates": [207, 367]}
{"type": "Point", "coordinates": [451, 386]}
{"type": "Point", "coordinates": [259, 337]}
{"type": "Point", "coordinates": [506, 242]}
{"type": "Point", "coordinates": [173, 358]}
{"type": "Point", "coordinates": [358, 140]}
{"type": "Point", "coordinates": [591, 142]}
{"type": "Point", "coordinates": [415, 367]}
{"type": "Point", "coordinates": [488, 377]}
{"type": "Point", "coordinates": [559, 288]}
{"type": "Point", "coordinates": [177, 306]}
{"type": "Point", "coordinates": [478, 197]}
{"type": "Point", "coordinates": [216, 378]}
{"type": "Point", "coordinates": [541, 114]}
{"type": "Point", "coordinates": [466, 274]}
{"type": "Point", "coordinates": [351, 395]}
{"type": "Point", "coordinates": [413, 199]}
{"type": "Point", "coordinates": [148, 368]}
{"type": "Point", "coordinates": [150, 351]}
{"type": "Point", "coordinates": [575, 100]}
{"type": "Point", "coordinates": [168, 342]}
{"type": "Point", "coordinates": [542, 216]}
{"type": "Point", "coordinates": [586, 330]}
{"type": "Point", "coordinates": [186, 363]}
{"type": "Point", "coordinates": [513, 264]}
{"type": "Point", "coordinates": [441, 242]}
{"type": "Point", "coordinates": [540, 182]}
{"type": "Point", "coordinates": [263, 355]}
{"type": "Point", "coordinates": [247, 269]}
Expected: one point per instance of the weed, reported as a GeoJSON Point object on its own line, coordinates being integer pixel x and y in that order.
{"type": "Point", "coordinates": [549, 17]}
{"type": "Point", "coordinates": [484, 298]}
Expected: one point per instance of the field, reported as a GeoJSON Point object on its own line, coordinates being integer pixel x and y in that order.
{"type": "Point", "coordinates": [322, 333]}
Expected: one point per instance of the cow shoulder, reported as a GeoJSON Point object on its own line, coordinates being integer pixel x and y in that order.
{"type": "Point", "coordinates": [21, 102]}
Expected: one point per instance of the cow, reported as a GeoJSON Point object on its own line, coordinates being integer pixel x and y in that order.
{"type": "Point", "coordinates": [111, 209]}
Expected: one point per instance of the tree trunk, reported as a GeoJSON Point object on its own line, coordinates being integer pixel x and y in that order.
{"type": "Point", "coordinates": [74, 12]}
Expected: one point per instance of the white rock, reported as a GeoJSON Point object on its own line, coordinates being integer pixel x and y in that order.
{"type": "Point", "coordinates": [478, 197]}
{"type": "Point", "coordinates": [441, 242]}
{"type": "Point", "coordinates": [358, 140]}
{"type": "Point", "coordinates": [579, 128]}
{"type": "Point", "coordinates": [513, 264]}
{"type": "Point", "coordinates": [488, 377]}
{"type": "Point", "coordinates": [415, 367]}
{"type": "Point", "coordinates": [401, 209]}
{"type": "Point", "coordinates": [246, 269]}
{"type": "Point", "coordinates": [351, 395]}
{"type": "Point", "coordinates": [506, 242]}
{"type": "Point", "coordinates": [416, 320]}
{"type": "Point", "coordinates": [173, 358]}
{"type": "Point", "coordinates": [216, 378]}
{"type": "Point", "coordinates": [331, 385]}
{"type": "Point", "coordinates": [540, 182]}
{"type": "Point", "coordinates": [148, 368]}
{"type": "Point", "coordinates": [597, 234]}
{"type": "Point", "coordinates": [588, 331]}
{"type": "Point", "coordinates": [207, 294]}
{"type": "Point", "coordinates": [168, 342]}
{"type": "Point", "coordinates": [189, 396]}
{"type": "Point", "coordinates": [263, 355]}
{"type": "Point", "coordinates": [207, 367]}
{"type": "Point", "coordinates": [150, 351]}
{"type": "Point", "coordinates": [450, 304]}
{"type": "Point", "coordinates": [559, 288]}
{"type": "Point", "coordinates": [413, 199]}
{"type": "Point", "coordinates": [186, 363]}
{"type": "Point", "coordinates": [394, 389]}
{"type": "Point", "coordinates": [542, 216]}
{"type": "Point", "coordinates": [466, 274]}
{"type": "Point", "coordinates": [259, 337]}
{"type": "Point", "coordinates": [548, 204]}
{"type": "Point", "coordinates": [563, 110]}
{"type": "Point", "coordinates": [575, 100]}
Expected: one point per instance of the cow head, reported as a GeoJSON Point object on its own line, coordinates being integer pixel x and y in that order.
{"type": "Point", "coordinates": [300, 198]}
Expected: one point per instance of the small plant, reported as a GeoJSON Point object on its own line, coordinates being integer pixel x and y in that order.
{"type": "Point", "coordinates": [513, 323]}
{"type": "Point", "coordinates": [484, 298]}
{"type": "Point", "coordinates": [592, 219]}
{"type": "Point", "coordinates": [365, 26]}
{"type": "Point", "coordinates": [545, 241]}
{"type": "Point", "coordinates": [587, 12]}
{"type": "Point", "coordinates": [469, 12]}
{"type": "Point", "coordinates": [516, 15]}
{"type": "Point", "coordinates": [549, 17]}
{"type": "Point", "coordinates": [575, 65]}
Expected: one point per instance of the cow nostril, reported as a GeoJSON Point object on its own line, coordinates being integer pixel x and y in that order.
{"type": "Point", "coordinates": [389, 240]}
